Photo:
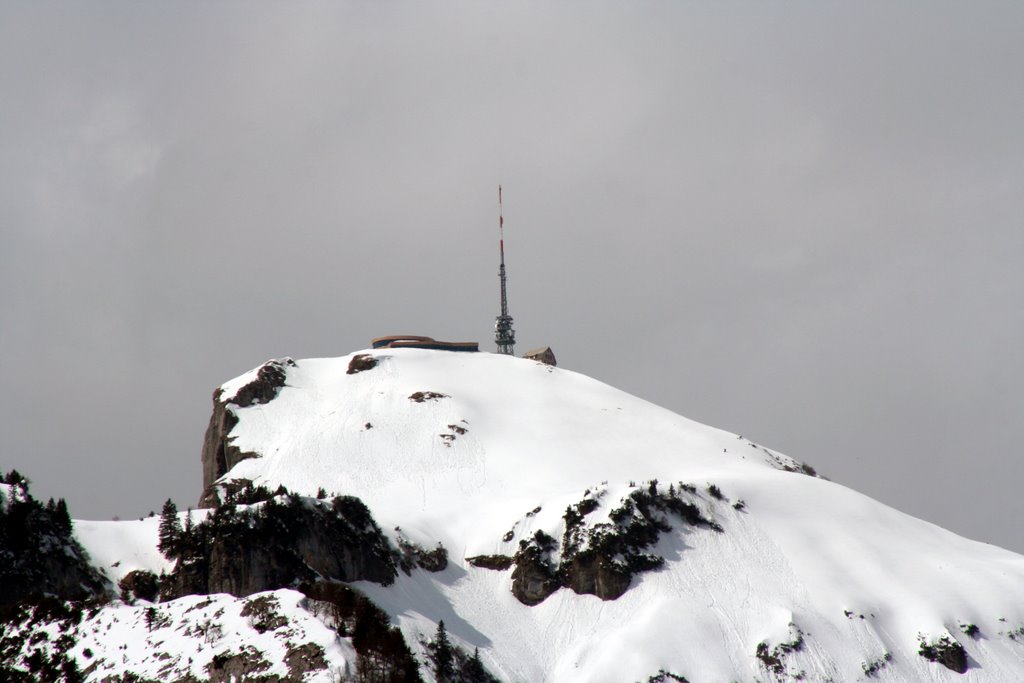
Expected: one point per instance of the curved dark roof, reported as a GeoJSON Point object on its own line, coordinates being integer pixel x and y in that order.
{"type": "Point", "coordinates": [410, 341]}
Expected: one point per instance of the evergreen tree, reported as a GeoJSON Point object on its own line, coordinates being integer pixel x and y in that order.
{"type": "Point", "coordinates": [62, 518]}
{"type": "Point", "coordinates": [14, 478]}
{"type": "Point", "coordinates": [150, 618]}
{"type": "Point", "coordinates": [474, 670]}
{"type": "Point", "coordinates": [170, 530]}
{"type": "Point", "coordinates": [443, 656]}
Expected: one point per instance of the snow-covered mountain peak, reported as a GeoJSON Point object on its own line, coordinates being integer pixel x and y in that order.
{"type": "Point", "coordinates": [562, 531]}
{"type": "Point", "coordinates": [722, 559]}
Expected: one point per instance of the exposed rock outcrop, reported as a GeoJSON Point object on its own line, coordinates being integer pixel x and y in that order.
{"type": "Point", "coordinates": [279, 545]}
{"type": "Point", "coordinates": [219, 454]}
{"type": "Point", "coordinates": [270, 378]}
{"type": "Point", "coordinates": [361, 362]}
{"type": "Point", "coordinates": [139, 584]}
{"type": "Point", "coordinates": [594, 574]}
{"type": "Point", "coordinates": [535, 576]}
{"type": "Point", "coordinates": [495, 562]}
{"type": "Point", "coordinates": [775, 659]}
{"type": "Point", "coordinates": [945, 651]}
{"type": "Point", "coordinates": [245, 665]}
{"type": "Point", "coordinates": [533, 579]}
{"type": "Point", "coordinates": [601, 559]}
{"type": "Point", "coordinates": [248, 664]}
{"type": "Point", "coordinates": [421, 396]}
{"type": "Point", "coordinates": [413, 556]}
{"type": "Point", "coordinates": [304, 658]}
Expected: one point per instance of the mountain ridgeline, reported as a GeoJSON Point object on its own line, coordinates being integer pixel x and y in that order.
{"type": "Point", "coordinates": [421, 515]}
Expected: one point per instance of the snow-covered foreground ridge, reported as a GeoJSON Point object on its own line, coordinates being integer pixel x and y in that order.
{"type": "Point", "coordinates": [478, 452]}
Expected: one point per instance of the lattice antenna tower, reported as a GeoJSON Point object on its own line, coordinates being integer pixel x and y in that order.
{"type": "Point", "coordinates": [504, 335]}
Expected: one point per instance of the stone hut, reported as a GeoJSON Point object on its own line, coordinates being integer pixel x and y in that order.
{"type": "Point", "coordinates": [543, 355]}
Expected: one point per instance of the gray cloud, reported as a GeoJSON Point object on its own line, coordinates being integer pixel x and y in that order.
{"type": "Point", "coordinates": [800, 224]}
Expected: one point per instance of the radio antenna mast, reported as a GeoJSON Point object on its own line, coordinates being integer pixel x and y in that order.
{"type": "Point", "coordinates": [504, 335]}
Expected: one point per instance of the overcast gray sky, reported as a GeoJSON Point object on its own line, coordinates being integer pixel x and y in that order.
{"type": "Point", "coordinates": [801, 221]}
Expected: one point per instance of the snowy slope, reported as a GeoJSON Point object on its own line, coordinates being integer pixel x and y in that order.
{"type": "Point", "coordinates": [183, 639]}
{"type": "Point", "coordinates": [120, 547]}
{"type": "Point", "coordinates": [860, 581]}
{"type": "Point", "coordinates": [824, 582]}
{"type": "Point", "coordinates": [274, 632]}
{"type": "Point", "coordinates": [533, 434]}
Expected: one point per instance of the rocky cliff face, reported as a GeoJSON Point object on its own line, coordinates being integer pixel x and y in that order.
{"type": "Point", "coordinates": [219, 454]}
{"type": "Point", "coordinates": [282, 543]}
{"type": "Point", "coordinates": [38, 555]}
